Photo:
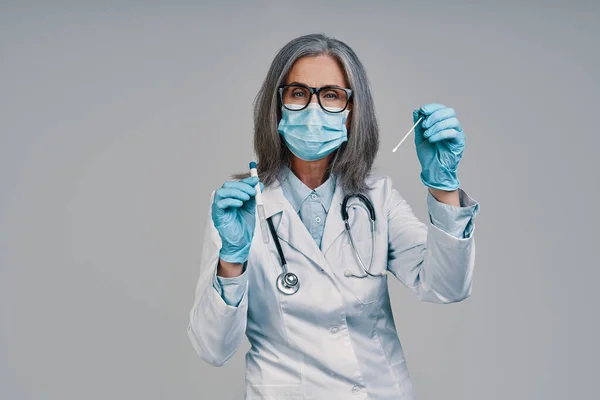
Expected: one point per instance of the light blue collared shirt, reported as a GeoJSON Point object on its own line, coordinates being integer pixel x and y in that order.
{"type": "Point", "coordinates": [312, 207]}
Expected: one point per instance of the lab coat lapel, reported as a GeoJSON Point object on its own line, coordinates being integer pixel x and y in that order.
{"type": "Point", "coordinates": [334, 225]}
{"type": "Point", "coordinates": [290, 227]}
{"type": "Point", "coordinates": [273, 201]}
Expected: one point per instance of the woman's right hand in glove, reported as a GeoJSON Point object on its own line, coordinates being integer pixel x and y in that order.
{"type": "Point", "coordinates": [233, 214]}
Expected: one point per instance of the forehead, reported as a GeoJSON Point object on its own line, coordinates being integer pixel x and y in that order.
{"type": "Point", "coordinates": [317, 71]}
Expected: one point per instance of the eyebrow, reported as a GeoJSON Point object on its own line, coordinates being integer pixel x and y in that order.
{"type": "Point", "coordinates": [304, 84]}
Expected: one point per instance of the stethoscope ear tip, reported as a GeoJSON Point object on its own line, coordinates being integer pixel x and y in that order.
{"type": "Point", "coordinates": [347, 273]}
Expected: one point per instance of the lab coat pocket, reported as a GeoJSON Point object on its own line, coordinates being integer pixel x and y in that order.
{"type": "Point", "coordinates": [274, 392]}
{"type": "Point", "coordinates": [386, 334]}
{"type": "Point", "coordinates": [367, 289]}
{"type": "Point", "coordinates": [403, 380]}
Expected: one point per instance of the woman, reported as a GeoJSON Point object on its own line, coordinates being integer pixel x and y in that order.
{"type": "Point", "coordinates": [316, 138]}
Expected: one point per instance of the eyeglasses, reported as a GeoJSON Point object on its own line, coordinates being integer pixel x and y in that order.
{"type": "Point", "coordinates": [297, 97]}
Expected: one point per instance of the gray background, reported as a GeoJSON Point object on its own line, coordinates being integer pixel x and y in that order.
{"type": "Point", "coordinates": [118, 119]}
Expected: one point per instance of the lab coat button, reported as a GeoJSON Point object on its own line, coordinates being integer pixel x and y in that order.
{"type": "Point", "coordinates": [318, 219]}
{"type": "Point", "coordinates": [313, 196]}
{"type": "Point", "coordinates": [356, 389]}
{"type": "Point", "coordinates": [334, 330]}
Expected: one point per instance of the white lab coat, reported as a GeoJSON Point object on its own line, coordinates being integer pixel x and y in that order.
{"type": "Point", "coordinates": [335, 338]}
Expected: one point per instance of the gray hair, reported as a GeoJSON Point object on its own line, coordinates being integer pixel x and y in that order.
{"type": "Point", "coordinates": [353, 161]}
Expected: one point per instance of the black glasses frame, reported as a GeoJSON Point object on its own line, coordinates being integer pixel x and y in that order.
{"type": "Point", "coordinates": [314, 90]}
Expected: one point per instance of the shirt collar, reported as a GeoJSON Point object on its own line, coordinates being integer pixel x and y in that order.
{"type": "Point", "coordinates": [296, 192]}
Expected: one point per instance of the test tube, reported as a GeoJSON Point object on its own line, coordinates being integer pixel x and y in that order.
{"type": "Point", "coordinates": [259, 205]}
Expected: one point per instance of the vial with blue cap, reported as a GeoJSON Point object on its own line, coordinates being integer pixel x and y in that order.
{"type": "Point", "coordinates": [259, 205]}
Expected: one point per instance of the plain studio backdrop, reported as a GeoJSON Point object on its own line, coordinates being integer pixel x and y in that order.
{"type": "Point", "coordinates": [118, 119]}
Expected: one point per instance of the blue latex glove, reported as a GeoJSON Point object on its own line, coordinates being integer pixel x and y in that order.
{"type": "Point", "coordinates": [233, 214]}
{"type": "Point", "coordinates": [440, 143]}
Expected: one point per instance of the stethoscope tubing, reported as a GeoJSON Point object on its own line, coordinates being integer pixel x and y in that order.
{"type": "Point", "coordinates": [277, 245]}
{"type": "Point", "coordinates": [367, 271]}
{"type": "Point", "coordinates": [288, 283]}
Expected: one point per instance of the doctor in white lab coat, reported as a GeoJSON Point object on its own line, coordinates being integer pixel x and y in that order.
{"type": "Point", "coordinates": [316, 138]}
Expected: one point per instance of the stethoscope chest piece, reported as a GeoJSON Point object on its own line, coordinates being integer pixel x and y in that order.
{"type": "Point", "coordinates": [287, 283]}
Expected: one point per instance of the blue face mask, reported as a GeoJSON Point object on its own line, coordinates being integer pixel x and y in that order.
{"type": "Point", "coordinates": [312, 133]}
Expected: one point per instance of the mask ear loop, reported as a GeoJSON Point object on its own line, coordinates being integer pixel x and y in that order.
{"type": "Point", "coordinates": [332, 163]}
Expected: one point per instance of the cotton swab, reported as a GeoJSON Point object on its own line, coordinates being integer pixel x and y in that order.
{"type": "Point", "coordinates": [411, 129]}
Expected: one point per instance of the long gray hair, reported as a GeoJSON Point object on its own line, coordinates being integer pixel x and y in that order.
{"type": "Point", "coordinates": [353, 161]}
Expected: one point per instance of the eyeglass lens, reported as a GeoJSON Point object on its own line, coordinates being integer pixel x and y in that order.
{"type": "Point", "coordinates": [331, 99]}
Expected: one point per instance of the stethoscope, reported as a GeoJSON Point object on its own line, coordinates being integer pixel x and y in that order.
{"type": "Point", "coordinates": [288, 283]}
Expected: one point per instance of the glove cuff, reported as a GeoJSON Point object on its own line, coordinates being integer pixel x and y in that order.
{"type": "Point", "coordinates": [447, 181]}
{"type": "Point", "coordinates": [235, 255]}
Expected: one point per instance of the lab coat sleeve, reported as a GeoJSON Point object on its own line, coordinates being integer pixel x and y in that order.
{"type": "Point", "coordinates": [215, 328]}
{"type": "Point", "coordinates": [231, 290]}
{"type": "Point", "coordinates": [434, 264]}
{"type": "Point", "coordinates": [457, 221]}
